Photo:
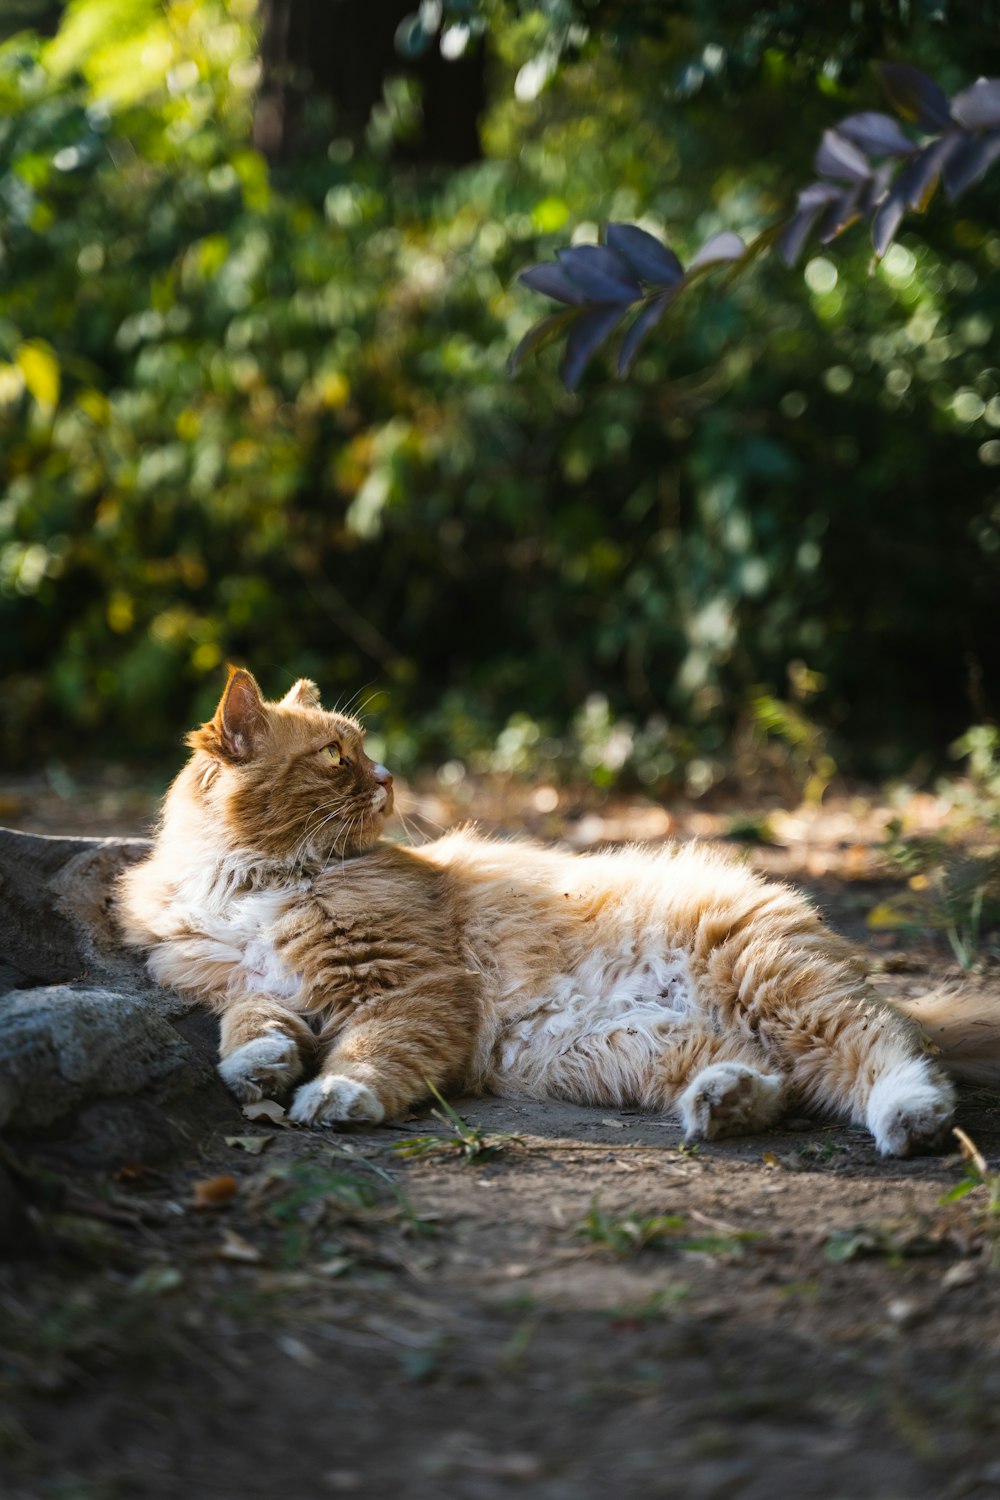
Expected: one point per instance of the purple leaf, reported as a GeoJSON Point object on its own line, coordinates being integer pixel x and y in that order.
{"type": "Point", "coordinates": [978, 107]}
{"type": "Point", "coordinates": [915, 96]}
{"type": "Point", "coordinates": [551, 281]}
{"type": "Point", "coordinates": [919, 178]}
{"type": "Point", "coordinates": [587, 334]}
{"type": "Point", "coordinates": [600, 273]}
{"type": "Point", "coordinates": [876, 187]}
{"type": "Point", "coordinates": [644, 324]}
{"type": "Point", "coordinates": [538, 336]}
{"type": "Point", "coordinates": [811, 201]}
{"type": "Point", "coordinates": [649, 258]}
{"type": "Point", "coordinates": [840, 158]}
{"type": "Point", "coordinates": [887, 219]}
{"type": "Point", "coordinates": [720, 247]}
{"type": "Point", "coordinates": [968, 162]}
{"type": "Point", "coordinates": [815, 195]}
{"type": "Point", "coordinates": [841, 213]}
{"type": "Point", "coordinates": [876, 133]}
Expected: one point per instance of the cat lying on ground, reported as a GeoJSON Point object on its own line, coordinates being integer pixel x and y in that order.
{"type": "Point", "coordinates": [673, 980]}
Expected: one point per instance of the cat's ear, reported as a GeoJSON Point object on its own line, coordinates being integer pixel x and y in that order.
{"type": "Point", "coordinates": [237, 721]}
{"type": "Point", "coordinates": [302, 694]}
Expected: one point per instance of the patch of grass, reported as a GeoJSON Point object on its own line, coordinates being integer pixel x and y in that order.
{"type": "Point", "coordinates": [307, 1199]}
{"type": "Point", "coordinates": [467, 1142]}
{"type": "Point", "coordinates": [649, 1309]}
{"type": "Point", "coordinates": [985, 1214]}
{"type": "Point", "coordinates": [950, 888]}
{"type": "Point", "coordinates": [894, 1241]}
{"type": "Point", "coordinates": [917, 1234]}
{"type": "Point", "coordinates": [823, 1152]}
{"type": "Point", "coordinates": [630, 1233]}
{"type": "Point", "coordinates": [750, 828]}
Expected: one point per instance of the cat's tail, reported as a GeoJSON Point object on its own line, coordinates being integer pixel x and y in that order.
{"type": "Point", "coordinates": [963, 1030]}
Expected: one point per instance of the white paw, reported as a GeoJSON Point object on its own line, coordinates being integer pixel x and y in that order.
{"type": "Point", "coordinates": [332, 1098]}
{"type": "Point", "coordinates": [262, 1068]}
{"type": "Point", "coordinates": [730, 1098]}
{"type": "Point", "coordinates": [907, 1114]}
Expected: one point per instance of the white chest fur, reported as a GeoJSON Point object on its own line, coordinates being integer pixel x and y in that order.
{"type": "Point", "coordinates": [221, 941]}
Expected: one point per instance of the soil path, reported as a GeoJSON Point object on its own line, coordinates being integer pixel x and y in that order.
{"type": "Point", "coordinates": [545, 1300]}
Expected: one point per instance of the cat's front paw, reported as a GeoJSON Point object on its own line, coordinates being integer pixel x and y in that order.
{"type": "Point", "coordinates": [262, 1068]}
{"type": "Point", "coordinates": [730, 1098]}
{"type": "Point", "coordinates": [907, 1117]}
{"type": "Point", "coordinates": [333, 1099]}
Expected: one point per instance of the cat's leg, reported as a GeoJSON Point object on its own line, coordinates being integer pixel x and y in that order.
{"type": "Point", "coordinates": [802, 994]}
{"type": "Point", "coordinates": [263, 1048]}
{"type": "Point", "coordinates": [719, 1085]}
{"type": "Point", "coordinates": [381, 1065]}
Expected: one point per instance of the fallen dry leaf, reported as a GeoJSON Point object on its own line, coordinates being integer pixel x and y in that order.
{"type": "Point", "coordinates": [266, 1109]}
{"type": "Point", "coordinates": [235, 1247]}
{"type": "Point", "coordinates": [212, 1192]}
{"type": "Point", "coordinates": [253, 1145]}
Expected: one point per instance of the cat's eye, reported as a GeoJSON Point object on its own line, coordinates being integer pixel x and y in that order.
{"type": "Point", "coordinates": [331, 754]}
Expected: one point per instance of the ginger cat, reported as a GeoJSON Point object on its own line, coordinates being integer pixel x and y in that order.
{"type": "Point", "coordinates": [674, 980]}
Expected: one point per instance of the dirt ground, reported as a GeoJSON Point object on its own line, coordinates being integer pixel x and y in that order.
{"type": "Point", "coordinates": [544, 1300]}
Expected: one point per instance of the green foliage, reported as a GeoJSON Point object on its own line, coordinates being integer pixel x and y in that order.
{"type": "Point", "coordinates": [629, 1233]}
{"type": "Point", "coordinates": [467, 1142]}
{"type": "Point", "coordinates": [266, 417]}
{"type": "Point", "coordinates": [984, 1207]}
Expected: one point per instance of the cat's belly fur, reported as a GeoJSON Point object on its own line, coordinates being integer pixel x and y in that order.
{"type": "Point", "coordinates": [595, 1032]}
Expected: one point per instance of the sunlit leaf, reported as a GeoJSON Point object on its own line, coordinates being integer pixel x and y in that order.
{"type": "Point", "coordinates": [919, 178]}
{"type": "Point", "coordinates": [840, 158]}
{"type": "Point", "coordinates": [649, 258]}
{"type": "Point", "coordinates": [876, 133]}
{"type": "Point", "coordinates": [978, 107]}
{"type": "Point", "coordinates": [719, 248]}
{"type": "Point", "coordinates": [40, 372]}
{"type": "Point", "coordinates": [967, 163]}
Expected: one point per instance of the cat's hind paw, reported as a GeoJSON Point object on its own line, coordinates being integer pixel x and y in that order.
{"type": "Point", "coordinates": [333, 1099]}
{"type": "Point", "coordinates": [262, 1068]}
{"type": "Point", "coordinates": [907, 1116]}
{"type": "Point", "coordinates": [730, 1098]}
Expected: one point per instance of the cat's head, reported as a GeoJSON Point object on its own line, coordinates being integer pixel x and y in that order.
{"type": "Point", "coordinates": [287, 780]}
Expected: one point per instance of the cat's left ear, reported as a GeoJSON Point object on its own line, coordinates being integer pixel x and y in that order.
{"type": "Point", "coordinates": [302, 694]}
{"type": "Point", "coordinates": [231, 732]}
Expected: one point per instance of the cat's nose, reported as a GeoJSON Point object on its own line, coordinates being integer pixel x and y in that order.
{"type": "Point", "coordinates": [382, 776]}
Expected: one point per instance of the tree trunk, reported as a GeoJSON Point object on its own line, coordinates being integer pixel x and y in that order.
{"type": "Point", "coordinates": [341, 52]}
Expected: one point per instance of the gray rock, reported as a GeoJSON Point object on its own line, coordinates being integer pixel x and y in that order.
{"type": "Point", "coordinates": [63, 1045]}
{"type": "Point", "coordinates": [93, 1056]}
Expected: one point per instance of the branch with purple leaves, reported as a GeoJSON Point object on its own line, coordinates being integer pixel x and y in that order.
{"type": "Point", "coordinates": [868, 168]}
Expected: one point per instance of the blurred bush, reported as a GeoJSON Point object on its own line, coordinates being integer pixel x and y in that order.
{"type": "Point", "coordinates": [266, 417]}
